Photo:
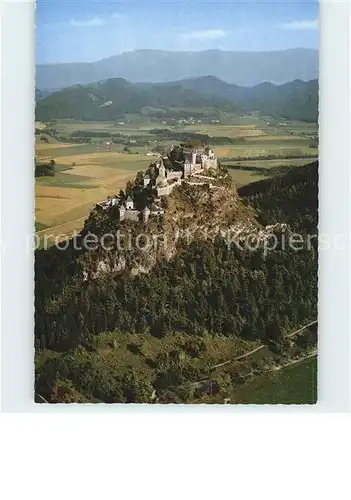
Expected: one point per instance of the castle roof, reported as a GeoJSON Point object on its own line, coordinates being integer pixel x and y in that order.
{"type": "Point", "coordinates": [146, 176]}
{"type": "Point", "coordinates": [129, 199]}
{"type": "Point", "coordinates": [146, 209]}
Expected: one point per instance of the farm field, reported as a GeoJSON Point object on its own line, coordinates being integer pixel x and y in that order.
{"type": "Point", "coordinates": [278, 149]}
{"type": "Point", "coordinates": [89, 172]}
{"type": "Point", "coordinates": [242, 177]}
{"type": "Point", "coordinates": [231, 126]}
{"type": "Point", "coordinates": [247, 171]}
{"type": "Point", "coordinates": [140, 126]}
{"type": "Point", "coordinates": [275, 162]}
{"type": "Point", "coordinates": [66, 199]}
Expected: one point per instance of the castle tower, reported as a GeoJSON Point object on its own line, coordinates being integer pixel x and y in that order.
{"type": "Point", "coordinates": [122, 212]}
{"type": "Point", "coordinates": [187, 168]}
{"type": "Point", "coordinates": [147, 180]}
{"type": "Point", "coordinates": [146, 214]}
{"type": "Point", "coordinates": [193, 158]}
{"type": "Point", "coordinates": [162, 169]}
{"type": "Point", "coordinates": [129, 203]}
{"type": "Point", "coordinates": [161, 178]}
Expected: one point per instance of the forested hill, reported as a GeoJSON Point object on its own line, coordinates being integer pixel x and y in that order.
{"type": "Point", "coordinates": [208, 286]}
{"type": "Point", "coordinates": [111, 99]}
{"type": "Point", "coordinates": [292, 198]}
{"type": "Point", "coordinates": [296, 100]}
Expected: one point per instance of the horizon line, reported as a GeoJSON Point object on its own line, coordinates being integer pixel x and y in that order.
{"type": "Point", "coordinates": [175, 51]}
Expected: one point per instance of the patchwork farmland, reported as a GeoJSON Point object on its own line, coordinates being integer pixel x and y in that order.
{"type": "Point", "coordinates": [83, 177]}
{"type": "Point", "coordinates": [89, 171]}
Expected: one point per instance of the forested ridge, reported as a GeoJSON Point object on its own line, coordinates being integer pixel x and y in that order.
{"type": "Point", "coordinates": [291, 198]}
{"type": "Point", "coordinates": [208, 288]}
{"type": "Point", "coordinates": [116, 97]}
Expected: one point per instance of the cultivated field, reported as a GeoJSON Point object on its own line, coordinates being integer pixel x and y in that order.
{"type": "Point", "coordinates": [89, 172]}
{"type": "Point", "coordinates": [246, 171]}
{"type": "Point", "coordinates": [66, 199]}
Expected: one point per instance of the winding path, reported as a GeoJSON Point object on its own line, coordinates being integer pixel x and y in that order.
{"type": "Point", "coordinates": [247, 354]}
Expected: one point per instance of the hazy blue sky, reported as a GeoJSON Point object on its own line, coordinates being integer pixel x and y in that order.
{"type": "Point", "coordinates": [87, 30]}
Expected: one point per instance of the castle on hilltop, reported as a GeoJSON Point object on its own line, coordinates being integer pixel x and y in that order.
{"type": "Point", "coordinates": [199, 159]}
{"type": "Point", "coordinates": [196, 169]}
{"type": "Point", "coordinates": [197, 162]}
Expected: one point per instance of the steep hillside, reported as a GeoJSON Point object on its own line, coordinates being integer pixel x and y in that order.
{"type": "Point", "coordinates": [41, 94]}
{"type": "Point", "coordinates": [113, 98]}
{"type": "Point", "coordinates": [84, 292]}
{"type": "Point", "coordinates": [291, 198]}
{"type": "Point", "coordinates": [121, 336]}
{"type": "Point", "coordinates": [241, 68]}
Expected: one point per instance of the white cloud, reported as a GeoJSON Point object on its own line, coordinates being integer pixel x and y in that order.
{"type": "Point", "coordinates": [203, 35]}
{"type": "Point", "coordinates": [94, 21]}
{"type": "Point", "coordinates": [302, 25]}
{"type": "Point", "coordinates": [87, 23]}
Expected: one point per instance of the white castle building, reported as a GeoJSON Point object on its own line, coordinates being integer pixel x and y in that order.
{"type": "Point", "coordinates": [194, 171]}
{"type": "Point", "coordinates": [167, 180]}
{"type": "Point", "coordinates": [126, 209]}
{"type": "Point", "coordinates": [197, 161]}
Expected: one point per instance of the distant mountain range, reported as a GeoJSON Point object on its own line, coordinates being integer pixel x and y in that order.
{"type": "Point", "coordinates": [241, 68]}
{"type": "Point", "coordinates": [111, 99]}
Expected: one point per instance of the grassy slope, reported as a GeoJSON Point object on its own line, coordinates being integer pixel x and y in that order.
{"type": "Point", "coordinates": [292, 385]}
{"type": "Point", "coordinates": [295, 384]}
{"type": "Point", "coordinates": [119, 354]}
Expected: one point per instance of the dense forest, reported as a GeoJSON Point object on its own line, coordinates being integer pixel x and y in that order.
{"type": "Point", "coordinates": [291, 198]}
{"type": "Point", "coordinates": [207, 291]}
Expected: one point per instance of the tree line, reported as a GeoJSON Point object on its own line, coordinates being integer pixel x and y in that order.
{"type": "Point", "coordinates": [45, 169]}
{"type": "Point", "coordinates": [194, 136]}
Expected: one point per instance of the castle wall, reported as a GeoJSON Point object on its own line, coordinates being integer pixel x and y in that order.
{"type": "Point", "coordinates": [174, 175]}
{"type": "Point", "coordinates": [210, 163]}
{"type": "Point", "coordinates": [166, 190]}
{"type": "Point", "coordinates": [131, 215]}
{"type": "Point", "coordinates": [122, 212]}
{"type": "Point", "coordinates": [163, 191]}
